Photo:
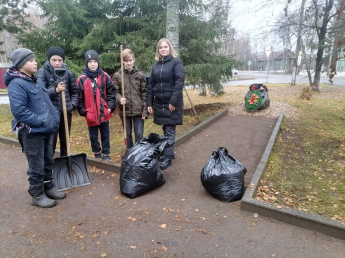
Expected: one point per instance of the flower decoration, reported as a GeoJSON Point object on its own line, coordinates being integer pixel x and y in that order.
{"type": "Point", "coordinates": [253, 99]}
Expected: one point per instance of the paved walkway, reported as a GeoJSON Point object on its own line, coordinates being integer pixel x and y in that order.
{"type": "Point", "coordinates": [179, 219]}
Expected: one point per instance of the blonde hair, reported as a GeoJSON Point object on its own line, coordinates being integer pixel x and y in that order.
{"type": "Point", "coordinates": [127, 53]}
{"type": "Point", "coordinates": [171, 52]}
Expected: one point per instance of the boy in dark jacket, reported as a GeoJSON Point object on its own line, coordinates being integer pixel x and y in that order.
{"type": "Point", "coordinates": [35, 121]}
{"type": "Point", "coordinates": [54, 86]}
{"type": "Point", "coordinates": [135, 100]}
{"type": "Point", "coordinates": [96, 103]}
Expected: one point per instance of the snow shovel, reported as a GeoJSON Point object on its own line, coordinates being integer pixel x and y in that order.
{"type": "Point", "coordinates": [69, 171]}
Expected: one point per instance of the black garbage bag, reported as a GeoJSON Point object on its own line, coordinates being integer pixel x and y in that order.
{"type": "Point", "coordinates": [257, 98]}
{"type": "Point", "coordinates": [140, 172]}
{"type": "Point", "coordinates": [223, 176]}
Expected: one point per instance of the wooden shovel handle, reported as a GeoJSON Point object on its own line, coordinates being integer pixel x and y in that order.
{"type": "Point", "coordinates": [63, 98]}
{"type": "Point", "coordinates": [123, 95]}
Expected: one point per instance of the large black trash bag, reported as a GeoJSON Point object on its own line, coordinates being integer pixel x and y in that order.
{"type": "Point", "coordinates": [140, 172]}
{"type": "Point", "coordinates": [223, 176]}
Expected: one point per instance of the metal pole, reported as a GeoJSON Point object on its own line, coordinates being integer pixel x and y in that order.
{"type": "Point", "coordinates": [268, 64]}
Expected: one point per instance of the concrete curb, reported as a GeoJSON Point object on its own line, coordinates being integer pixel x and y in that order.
{"type": "Point", "coordinates": [292, 216]}
{"type": "Point", "coordinates": [116, 167]}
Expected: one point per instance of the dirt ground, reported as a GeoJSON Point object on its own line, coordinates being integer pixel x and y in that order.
{"type": "Point", "coordinates": [178, 219]}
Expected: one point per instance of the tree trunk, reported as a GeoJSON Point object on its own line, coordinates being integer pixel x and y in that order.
{"type": "Point", "coordinates": [172, 24]}
{"type": "Point", "coordinates": [298, 44]}
{"type": "Point", "coordinates": [322, 31]}
{"type": "Point", "coordinates": [307, 65]}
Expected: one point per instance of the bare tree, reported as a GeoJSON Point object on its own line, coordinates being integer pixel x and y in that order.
{"type": "Point", "coordinates": [298, 45]}
{"type": "Point", "coordinates": [314, 27]}
{"type": "Point", "coordinates": [323, 11]}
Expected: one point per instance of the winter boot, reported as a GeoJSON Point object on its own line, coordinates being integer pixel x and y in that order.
{"type": "Point", "coordinates": [54, 194]}
{"type": "Point", "coordinates": [97, 155]}
{"type": "Point", "coordinates": [43, 201]}
{"type": "Point", "coordinates": [106, 157]}
{"type": "Point", "coordinates": [165, 163]}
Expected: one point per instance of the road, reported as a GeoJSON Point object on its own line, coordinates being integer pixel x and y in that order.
{"type": "Point", "coordinates": [255, 77]}
{"type": "Point", "coordinates": [261, 77]}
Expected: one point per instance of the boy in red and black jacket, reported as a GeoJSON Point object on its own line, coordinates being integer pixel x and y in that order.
{"type": "Point", "coordinates": [96, 103]}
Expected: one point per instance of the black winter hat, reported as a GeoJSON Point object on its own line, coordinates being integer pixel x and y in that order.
{"type": "Point", "coordinates": [58, 51]}
{"type": "Point", "coordinates": [91, 55]}
{"type": "Point", "coordinates": [21, 56]}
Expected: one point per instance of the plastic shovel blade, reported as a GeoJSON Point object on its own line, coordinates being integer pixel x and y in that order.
{"type": "Point", "coordinates": [70, 172]}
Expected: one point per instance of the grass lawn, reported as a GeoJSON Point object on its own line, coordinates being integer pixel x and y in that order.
{"type": "Point", "coordinates": [306, 170]}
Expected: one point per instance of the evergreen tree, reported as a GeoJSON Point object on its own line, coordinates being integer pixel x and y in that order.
{"type": "Point", "coordinates": [11, 15]}
{"type": "Point", "coordinates": [78, 26]}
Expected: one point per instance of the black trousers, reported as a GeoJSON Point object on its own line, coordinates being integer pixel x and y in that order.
{"type": "Point", "coordinates": [62, 134]}
{"type": "Point", "coordinates": [170, 133]}
{"type": "Point", "coordinates": [38, 149]}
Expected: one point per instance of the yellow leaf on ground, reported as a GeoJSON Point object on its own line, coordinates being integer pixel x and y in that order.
{"type": "Point", "coordinates": [163, 226]}
{"type": "Point", "coordinates": [204, 231]}
{"type": "Point", "coordinates": [164, 248]}
{"type": "Point", "coordinates": [133, 247]}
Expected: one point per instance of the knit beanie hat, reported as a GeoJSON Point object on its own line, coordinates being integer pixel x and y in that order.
{"type": "Point", "coordinates": [20, 56]}
{"type": "Point", "coordinates": [58, 51]}
{"type": "Point", "coordinates": [91, 55]}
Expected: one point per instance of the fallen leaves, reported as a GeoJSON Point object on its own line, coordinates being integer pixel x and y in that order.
{"type": "Point", "coordinates": [79, 235]}
{"type": "Point", "coordinates": [163, 226]}
{"type": "Point", "coordinates": [205, 232]}
{"type": "Point", "coordinates": [131, 218]}
{"type": "Point", "coordinates": [164, 248]}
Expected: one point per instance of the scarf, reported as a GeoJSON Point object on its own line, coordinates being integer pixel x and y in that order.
{"type": "Point", "coordinates": [92, 74]}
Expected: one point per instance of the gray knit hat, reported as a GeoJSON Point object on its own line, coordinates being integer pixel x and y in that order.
{"type": "Point", "coordinates": [20, 56]}
{"type": "Point", "coordinates": [91, 55]}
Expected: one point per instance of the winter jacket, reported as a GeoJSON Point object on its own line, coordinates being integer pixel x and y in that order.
{"type": "Point", "coordinates": [165, 87]}
{"type": "Point", "coordinates": [30, 103]}
{"type": "Point", "coordinates": [46, 74]}
{"type": "Point", "coordinates": [135, 92]}
{"type": "Point", "coordinates": [96, 98]}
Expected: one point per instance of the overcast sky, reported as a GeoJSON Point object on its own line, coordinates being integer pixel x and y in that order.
{"type": "Point", "coordinates": [255, 17]}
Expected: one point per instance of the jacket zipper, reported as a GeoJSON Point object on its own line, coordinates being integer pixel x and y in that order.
{"type": "Point", "coordinates": [160, 77]}
{"type": "Point", "coordinates": [130, 92]}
